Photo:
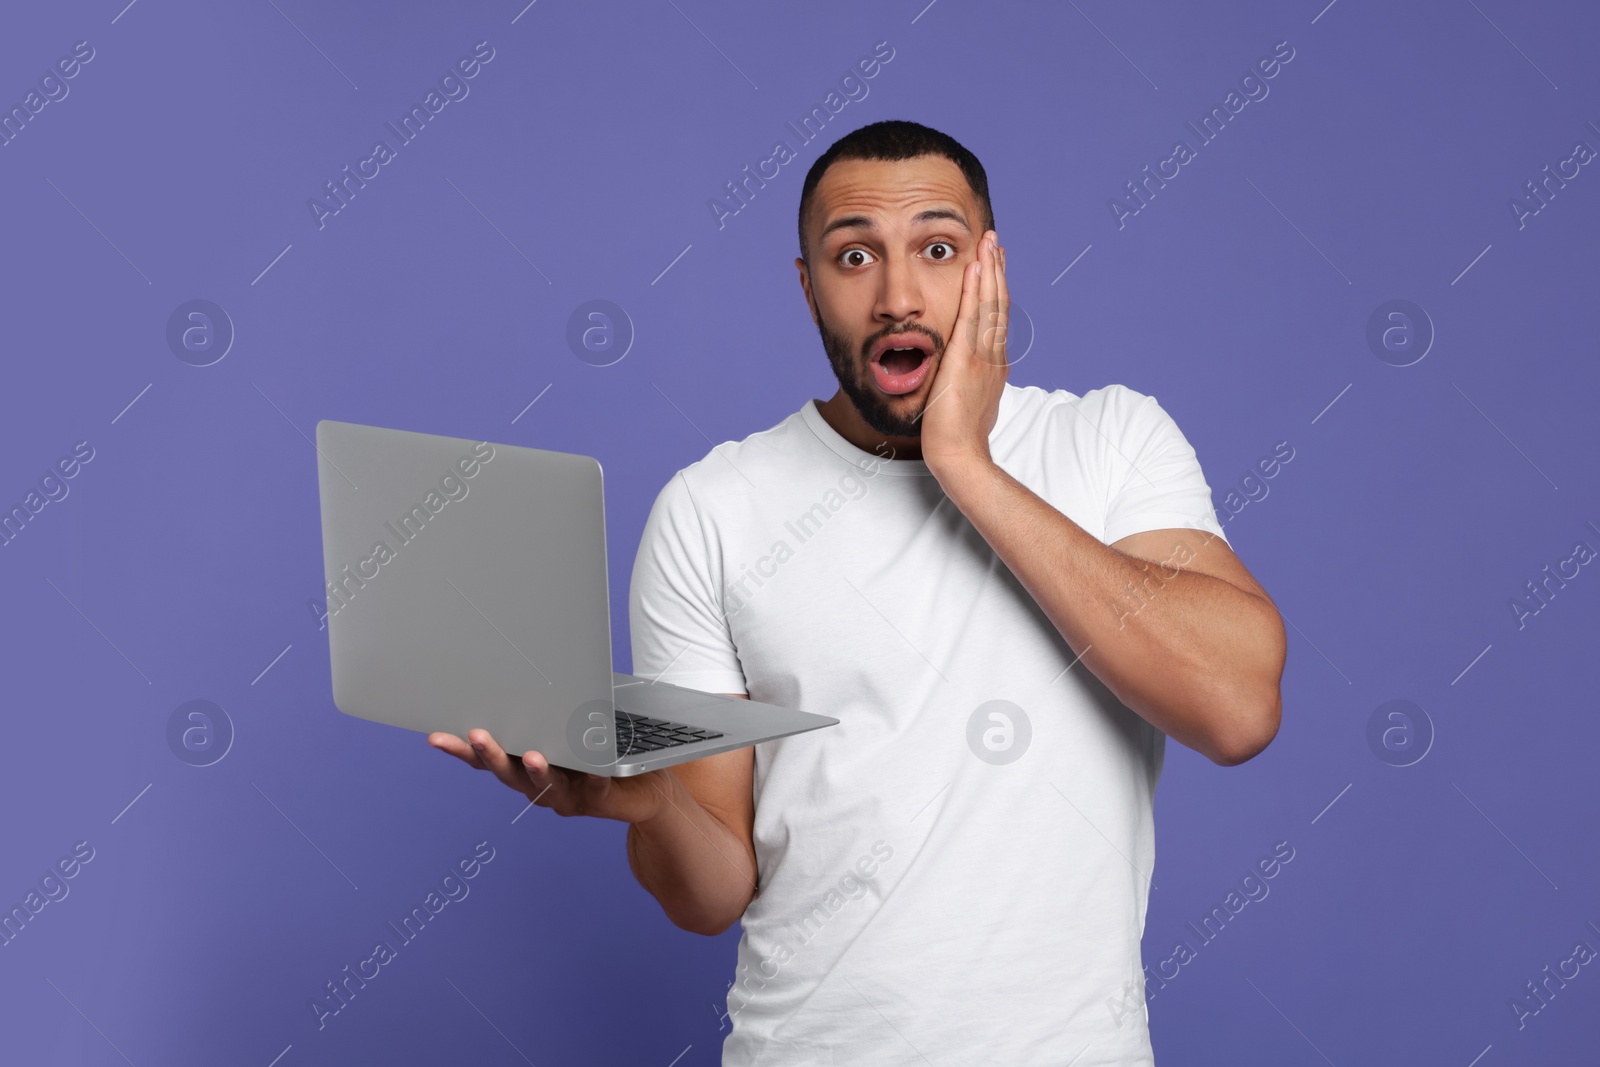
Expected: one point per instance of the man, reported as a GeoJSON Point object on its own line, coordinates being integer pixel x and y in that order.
{"type": "Point", "coordinates": [1009, 596]}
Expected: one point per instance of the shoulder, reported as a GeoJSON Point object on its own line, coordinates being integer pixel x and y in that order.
{"type": "Point", "coordinates": [733, 470]}
{"type": "Point", "coordinates": [1109, 411]}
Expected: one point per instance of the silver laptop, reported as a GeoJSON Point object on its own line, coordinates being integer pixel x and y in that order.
{"type": "Point", "coordinates": [466, 587]}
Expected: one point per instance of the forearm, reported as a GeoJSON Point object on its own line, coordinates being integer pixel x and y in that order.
{"type": "Point", "coordinates": [702, 874]}
{"type": "Point", "coordinates": [1197, 657]}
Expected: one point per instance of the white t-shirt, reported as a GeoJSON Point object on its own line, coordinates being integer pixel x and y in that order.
{"type": "Point", "coordinates": [958, 871]}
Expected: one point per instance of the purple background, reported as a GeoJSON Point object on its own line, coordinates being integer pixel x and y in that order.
{"type": "Point", "coordinates": [1420, 500]}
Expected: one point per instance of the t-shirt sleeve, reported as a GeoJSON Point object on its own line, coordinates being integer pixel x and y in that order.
{"type": "Point", "coordinates": [1156, 481]}
{"type": "Point", "coordinates": [676, 625]}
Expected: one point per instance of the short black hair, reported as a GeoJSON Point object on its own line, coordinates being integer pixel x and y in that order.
{"type": "Point", "coordinates": [892, 140]}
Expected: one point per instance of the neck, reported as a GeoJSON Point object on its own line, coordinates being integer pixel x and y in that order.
{"type": "Point", "coordinates": [840, 414]}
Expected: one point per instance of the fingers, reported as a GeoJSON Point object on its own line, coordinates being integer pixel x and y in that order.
{"type": "Point", "coordinates": [986, 271]}
{"type": "Point", "coordinates": [994, 303]}
{"type": "Point", "coordinates": [967, 312]}
{"type": "Point", "coordinates": [1001, 291]}
{"type": "Point", "coordinates": [496, 761]}
{"type": "Point", "coordinates": [456, 747]}
{"type": "Point", "coordinates": [565, 792]}
{"type": "Point", "coordinates": [530, 774]}
{"type": "Point", "coordinates": [986, 298]}
{"type": "Point", "coordinates": [548, 784]}
{"type": "Point", "coordinates": [1003, 297]}
{"type": "Point", "coordinates": [985, 301]}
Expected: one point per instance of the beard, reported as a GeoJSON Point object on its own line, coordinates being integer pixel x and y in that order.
{"type": "Point", "coordinates": [853, 369]}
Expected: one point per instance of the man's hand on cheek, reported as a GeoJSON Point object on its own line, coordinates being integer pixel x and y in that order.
{"type": "Point", "coordinates": [964, 396]}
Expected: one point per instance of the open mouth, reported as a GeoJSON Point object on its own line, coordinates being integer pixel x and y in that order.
{"type": "Point", "coordinates": [900, 367]}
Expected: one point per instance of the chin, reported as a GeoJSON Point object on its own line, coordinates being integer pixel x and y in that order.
{"type": "Point", "coordinates": [899, 423]}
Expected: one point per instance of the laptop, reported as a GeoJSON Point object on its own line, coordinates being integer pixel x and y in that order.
{"type": "Point", "coordinates": [466, 587]}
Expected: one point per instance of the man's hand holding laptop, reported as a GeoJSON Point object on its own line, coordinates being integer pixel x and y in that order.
{"type": "Point", "coordinates": [691, 825]}
{"type": "Point", "coordinates": [566, 792]}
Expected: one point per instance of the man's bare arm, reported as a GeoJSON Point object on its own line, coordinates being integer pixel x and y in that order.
{"type": "Point", "coordinates": [697, 856]}
{"type": "Point", "coordinates": [1202, 660]}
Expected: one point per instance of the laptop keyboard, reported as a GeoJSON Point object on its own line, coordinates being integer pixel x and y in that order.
{"type": "Point", "coordinates": [639, 733]}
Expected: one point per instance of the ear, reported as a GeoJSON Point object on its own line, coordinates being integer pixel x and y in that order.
{"type": "Point", "coordinates": [805, 286]}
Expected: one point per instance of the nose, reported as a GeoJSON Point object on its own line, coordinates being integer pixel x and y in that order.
{"type": "Point", "coordinates": [899, 292]}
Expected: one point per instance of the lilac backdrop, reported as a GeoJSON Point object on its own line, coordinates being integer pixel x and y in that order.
{"type": "Point", "coordinates": [1442, 859]}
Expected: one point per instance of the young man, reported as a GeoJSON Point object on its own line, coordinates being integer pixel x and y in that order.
{"type": "Point", "coordinates": [1009, 596]}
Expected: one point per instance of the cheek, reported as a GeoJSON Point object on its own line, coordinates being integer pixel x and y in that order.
{"type": "Point", "coordinates": [836, 315]}
{"type": "Point", "coordinates": [845, 310]}
{"type": "Point", "coordinates": [943, 315]}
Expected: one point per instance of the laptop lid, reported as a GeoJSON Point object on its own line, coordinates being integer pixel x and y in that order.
{"type": "Point", "coordinates": [466, 584]}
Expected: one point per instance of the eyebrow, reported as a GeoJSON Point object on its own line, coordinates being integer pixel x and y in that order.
{"type": "Point", "coordinates": [862, 222]}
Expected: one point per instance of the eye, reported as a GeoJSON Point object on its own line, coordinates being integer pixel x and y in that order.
{"type": "Point", "coordinates": [948, 253]}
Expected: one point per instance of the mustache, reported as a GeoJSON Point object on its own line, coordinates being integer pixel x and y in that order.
{"type": "Point", "coordinates": [936, 341]}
